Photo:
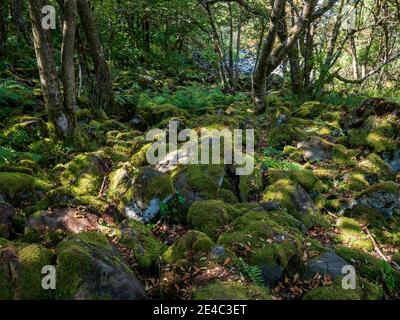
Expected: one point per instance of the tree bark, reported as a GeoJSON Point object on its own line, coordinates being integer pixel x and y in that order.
{"type": "Point", "coordinates": [3, 28]}
{"type": "Point", "coordinates": [16, 13]}
{"type": "Point", "coordinates": [60, 118]}
{"type": "Point", "coordinates": [67, 53]}
{"type": "Point", "coordinates": [103, 98]}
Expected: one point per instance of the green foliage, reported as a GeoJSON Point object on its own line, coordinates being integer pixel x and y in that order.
{"type": "Point", "coordinates": [252, 273]}
{"type": "Point", "coordinates": [388, 277]}
{"type": "Point", "coordinates": [272, 163]}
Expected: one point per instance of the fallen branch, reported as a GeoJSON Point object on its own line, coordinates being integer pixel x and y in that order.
{"type": "Point", "coordinates": [378, 250]}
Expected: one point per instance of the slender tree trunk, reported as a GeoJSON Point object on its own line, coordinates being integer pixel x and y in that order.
{"type": "Point", "coordinates": [260, 78]}
{"type": "Point", "coordinates": [16, 12]}
{"type": "Point", "coordinates": [67, 53]}
{"type": "Point", "coordinates": [308, 59]}
{"type": "Point", "coordinates": [3, 28]}
{"type": "Point", "coordinates": [104, 98]}
{"type": "Point", "coordinates": [353, 49]}
{"type": "Point", "coordinates": [60, 118]}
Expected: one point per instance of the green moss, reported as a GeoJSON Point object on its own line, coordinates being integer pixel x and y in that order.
{"type": "Point", "coordinates": [378, 133]}
{"type": "Point", "coordinates": [151, 184]}
{"type": "Point", "coordinates": [231, 291]}
{"type": "Point", "coordinates": [284, 191]}
{"type": "Point", "coordinates": [205, 180]}
{"type": "Point", "coordinates": [84, 174]}
{"type": "Point", "coordinates": [209, 216]}
{"type": "Point", "coordinates": [259, 231]}
{"type": "Point", "coordinates": [294, 153]}
{"type": "Point", "coordinates": [192, 242]}
{"type": "Point", "coordinates": [119, 182]}
{"type": "Point", "coordinates": [334, 292]}
{"type": "Point", "coordinates": [110, 125]}
{"type": "Point", "coordinates": [227, 196]}
{"type": "Point", "coordinates": [305, 178]}
{"type": "Point", "coordinates": [139, 158]}
{"type": "Point", "coordinates": [387, 186]}
{"type": "Point", "coordinates": [310, 110]}
{"type": "Point", "coordinates": [26, 281]}
{"type": "Point", "coordinates": [250, 184]}
{"type": "Point", "coordinates": [74, 261]}
{"type": "Point", "coordinates": [367, 265]}
{"type": "Point", "coordinates": [145, 247]}
{"type": "Point", "coordinates": [15, 185]}
{"type": "Point", "coordinates": [352, 234]}
{"type": "Point", "coordinates": [366, 215]}
{"type": "Point", "coordinates": [283, 135]}
{"type": "Point", "coordinates": [374, 164]}
{"type": "Point", "coordinates": [356, 181]}
{"type": "Point", "coordinates": [25, 170]}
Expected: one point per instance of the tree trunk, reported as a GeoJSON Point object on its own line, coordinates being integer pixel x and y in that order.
{"type": "Point", "coordinates": [3, 28]}
{"type": "Point", "coordinates": [103, 93]}
{"type": "Point", "coordinates": [260, 72]}
{"type": "Point", "coordinates": [67, 53]}
{"type": "Point", "coordinates": [16, 12]}
{"type": "Point", "coordinates": [60, 118]}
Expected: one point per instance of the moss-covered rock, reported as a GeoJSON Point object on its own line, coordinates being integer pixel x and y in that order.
{"type": "Point", "coordinates": [305, 178]}
{"type": "Point", "coordinates": [384, 197]}
{"type": "Point", "coordinates": [355, 181]}
{"type": "Point", "coordinates": [138, 159]}
{"type": "Point", "coordinates": [377, 133]}
{"type": "Point", "coordinates": [231, 291]}
{"type": "Point", "coordinates": [149, 190]}
{"type": "Point", "coordinates": [310, 110]}
{"type": "Point", "coordinates": [298, 203]}
{"type": "Point", "coordinates": [85, 173]}
{"type": "Point", "coordinates": [120, 181]}
{"type": "Point", "coordinates": [199, 182]}
{"type": "Point", "coordinates": [364, 290]}
{"type": "Point", "coordinates": [294, 153]}
{"type": "Point", "coordinates": [193, 242]}
{"type": "Point", "coordinates": [24, 280]}
{"type": "Point", "coordinates": [250, 185]}
{"type": "Point", "coordinates": [374, 165]}
{"type": "Point", "coordinates": [89, 268]}
{"type": "Point", "coordinates": [352, 234]}
{"type": "Point", "coordinates": [18, 187]}
{"type": "Point", "coordinates": [145, 247]}
{"type": "Point", "coordinates": [269, 238]}
{"type": "Point", "coordinates": [209, 216]}
{"type": "Point", "coordinates": [370, 267]}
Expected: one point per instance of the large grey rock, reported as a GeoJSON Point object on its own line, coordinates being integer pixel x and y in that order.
{"type": "Point", "coordinates": [88, 267]}
{"type": "Point", "coordinates": [327, 263]}
{"type": "Point", "coordinates": [272, 274]}
{"type": "Point", "coordinates": [150, 189]}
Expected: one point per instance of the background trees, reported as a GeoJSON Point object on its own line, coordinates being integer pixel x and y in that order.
{"type": "Point", "coordinates": [313, 46]}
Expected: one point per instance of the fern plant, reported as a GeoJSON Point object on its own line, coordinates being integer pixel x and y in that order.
{"type": "Point", "coordinates": [252, 273]}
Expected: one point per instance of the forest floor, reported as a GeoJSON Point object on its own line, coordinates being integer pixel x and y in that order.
{"type": "Point", "coordinates": [324, 195]}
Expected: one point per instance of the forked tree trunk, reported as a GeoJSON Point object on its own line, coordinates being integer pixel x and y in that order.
{"type": "Point", "coordinates": [59, 117]}
{"type": "Point", "coordinates": [103, 92]}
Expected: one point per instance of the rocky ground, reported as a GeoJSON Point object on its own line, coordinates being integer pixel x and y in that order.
{"type": "Point", "coordinates": [324, 195]}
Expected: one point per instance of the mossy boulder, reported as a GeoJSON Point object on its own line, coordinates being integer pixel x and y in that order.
{"type": "Point", "coordinates": [85, 173]}
{"type": "Point", "coordinates": [270, 239]}
{"type": "Point", "coordinates": [120, 180]}
{"type": "Point", "coordinates": [374, 165]}
{"type": "Point", "coordinates": [318, 149]}
{"type": "Point", "coordinates": [250, 185]}
{"type": "Point", "coordinates": [377, 133]}
{"type": "Point", "coordinates": [8, 215]}
{"type": "Point", "coordinates": [24, 130]}
{"type": "Point", "coordinates": [355, 181]}
{"type": "Point", "coordinates": [150, 188]}
{"type": "Point", "coordinates": [231, 291]}
{"type": "Point", "coordinates": [364, 290]}
{"type": "Point", "coordinates": [297, 202]}
{"type": "Point", "coordinates": [352, 234]}
{"type": "Point", "coordinates": [209, 216]}
{"type": "Point", "coordinates": [139, 159]}
{"type": "Point", "coordinates": [193, 242]}
{"type": "Point", "coordinates": [24, 279]}
{"type": "Point", "coordinates": [370, 267]}
{"type": "Point", "coordinates": [153, 114]}
{"type": "Point", "coordinates": [17, 188]}
{"type": "Point", "coordinates": [294, 153]}
{"type": "Point", "coordinates": [89, 268]}
{"type": "Point", "coordinates": [199, 182]}
{"type": "Point", "coordinates": [310, 110]}
{"type": "Point", "coordinates": [145, 247]}
{"type": "Point", "coordinates": [384, 197]}
{"type": "Point", "coordinates": [305, 178]}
